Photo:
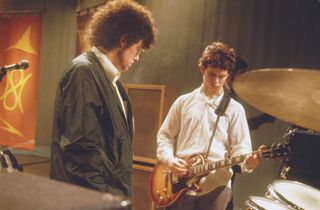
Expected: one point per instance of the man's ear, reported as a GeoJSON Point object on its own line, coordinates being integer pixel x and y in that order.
{"type": "Point", "coordinates": [202, 69]}
{"type": "Point", "coordinates": [123, 41]}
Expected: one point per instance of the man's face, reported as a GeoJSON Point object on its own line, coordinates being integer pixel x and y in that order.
{"type": "Point", "coordinates": [214, 78]}
{"type": "Point", "coordinates": [127, 56]}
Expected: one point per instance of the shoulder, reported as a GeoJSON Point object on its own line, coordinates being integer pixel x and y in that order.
{"type": "Point", "coordinates": [82, 70]}
{"type": "Point", "coordinates": [187, 97]}
{"type": "Point", "coordinates": [235, 106]}
{"type": "Point", "coordinates": [84, 61]}
{"type": "Point", "coordinates": [84, 64]}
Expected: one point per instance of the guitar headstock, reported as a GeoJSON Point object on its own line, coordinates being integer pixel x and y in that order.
{"type": "Point", "coordinates": [277, 151]}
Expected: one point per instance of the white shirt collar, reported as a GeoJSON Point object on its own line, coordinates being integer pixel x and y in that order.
{"type": "Point", "coordinates": [111, 71]}
{"type": "Point", "coordinates": [211, 100]}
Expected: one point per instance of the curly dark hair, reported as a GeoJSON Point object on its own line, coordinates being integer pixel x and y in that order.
{"type": "Point", "coordinates": [218, 55]}
{"type": "Point", "coordinates": [121, 18]}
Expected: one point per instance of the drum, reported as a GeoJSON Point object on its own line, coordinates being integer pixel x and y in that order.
{"type": "Point", "coordinates": [305, 150]}
{"type": "Point", "coordinates": [261, 203]}
{"type": "Point", "coordinates": [294, 194]}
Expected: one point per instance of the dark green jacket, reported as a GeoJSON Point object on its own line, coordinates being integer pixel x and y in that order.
{"type": "Point", "coordinates": [92, 140]}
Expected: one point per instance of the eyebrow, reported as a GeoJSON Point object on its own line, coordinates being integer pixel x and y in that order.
{"type": "Point", "coordinates": [223, 75]}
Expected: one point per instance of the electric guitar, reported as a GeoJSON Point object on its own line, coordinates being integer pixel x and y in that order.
{"type": "Point", "coordinates": [166, 187]}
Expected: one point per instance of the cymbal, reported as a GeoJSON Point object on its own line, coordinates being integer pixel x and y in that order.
{"type": "Point", "coordinates": [291, 95]}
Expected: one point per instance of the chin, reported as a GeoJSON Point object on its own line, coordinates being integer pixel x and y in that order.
{"type": "Point", "coordinates": [125, 69]}
{"type": "Point", "coordinates": [214, 86]}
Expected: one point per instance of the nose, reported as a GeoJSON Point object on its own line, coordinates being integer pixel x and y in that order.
{"type": "Point", "coordinates": [215, 79]}
{"type": "Point", "coordinates": [137, 57]}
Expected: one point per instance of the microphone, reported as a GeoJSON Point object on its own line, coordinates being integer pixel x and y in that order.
{"type": "Point", "coordinates": [23, 64]}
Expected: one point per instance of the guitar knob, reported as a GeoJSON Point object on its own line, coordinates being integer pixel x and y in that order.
{"type": "Point", "coordinates": [165, 190]}
{"type": "Point", "coordinates": [160, 199]}
{"type": "Point", "coordinates": [158, 192]}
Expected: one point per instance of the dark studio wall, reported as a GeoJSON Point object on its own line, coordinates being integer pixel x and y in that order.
{"type": "Point", "coordinates": [267, 33]}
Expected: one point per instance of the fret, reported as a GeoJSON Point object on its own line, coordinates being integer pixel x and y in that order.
{"type": "Point", "coordinates": [222, 163]}
{"type": "Point", "coordinates": [237, 159]}
{"type": "Point", "coordinates": [201, 169]}
{"type": "Point", "coordinates": [198, 169]}
{"type": "Point", "coordinates": [229, 161]}
{"type": "Point", "coordinates": [192, 171]}
{"type": "Point", "coordinates": [213, 165]}
{"type": "Point", "coordinates": [206, 168]}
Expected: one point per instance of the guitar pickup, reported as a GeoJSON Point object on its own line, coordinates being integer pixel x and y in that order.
{"type": "Point", "coordinates": [174, 178]}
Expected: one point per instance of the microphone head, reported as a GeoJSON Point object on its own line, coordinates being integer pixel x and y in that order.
{"type": "Point", "coordinates": [24, 64]}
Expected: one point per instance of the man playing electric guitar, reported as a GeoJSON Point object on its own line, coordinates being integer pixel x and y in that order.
{"type": "Point", "coordinates": [193, 126]}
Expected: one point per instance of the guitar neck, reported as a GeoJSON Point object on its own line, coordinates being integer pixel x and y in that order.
{"type": "Point", "coordinates": [213, 165]}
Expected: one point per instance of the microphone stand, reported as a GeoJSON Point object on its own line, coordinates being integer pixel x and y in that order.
{"type": "Point", "coordinates": [3, 73]}
{"type": "Point", "coordinates": [23, 64]}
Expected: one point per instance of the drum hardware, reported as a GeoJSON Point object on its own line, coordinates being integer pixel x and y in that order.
{"type": "Point", "coordinates": [305, 151]}
{"type": "Point", "coordinates": [8, 162]}
{"type": "Point", "coordinates": [7, 159]}
{"type": "Point", "coordinates": [284, 172]}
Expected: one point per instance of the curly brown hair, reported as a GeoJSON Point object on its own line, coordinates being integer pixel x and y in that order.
{"type": "Point", "coordinates": [121, 18]}
{"type": "Point", "coordinates": [218, 55]}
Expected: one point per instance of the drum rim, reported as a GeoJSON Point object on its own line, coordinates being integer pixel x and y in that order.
{"type": "Point", "coordinates": [281, 198]}
{"type": "Point", "coordinates": [294, 182]}
{"type": "Point", "coordinates": [256, 206]}
{"type": "Point", "coordinates": [273, 194]}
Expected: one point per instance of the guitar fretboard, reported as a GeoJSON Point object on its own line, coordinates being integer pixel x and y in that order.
{"type": "Point", "coordinates": [212, 165]}
{"type": "Point", "coordinates": [268, 152]}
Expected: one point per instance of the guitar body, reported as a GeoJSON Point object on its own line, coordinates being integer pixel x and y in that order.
{"type": "Point", "coordinates": [165, 187]}
{"type": "Point", "coordinates": [163, 193]}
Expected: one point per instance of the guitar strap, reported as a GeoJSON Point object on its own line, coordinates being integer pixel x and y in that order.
{"type": "Point", "coordinates": [220, 111]}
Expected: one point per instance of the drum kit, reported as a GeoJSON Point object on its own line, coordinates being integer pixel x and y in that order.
{"type": "Point", "coordinates": [291, 95]}
{"type": "Point", "coordinates": [286, 195]}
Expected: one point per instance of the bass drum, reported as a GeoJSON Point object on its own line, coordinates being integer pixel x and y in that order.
{"type": "Point", "coordinates": [261, 203]}
{"type": "Point", "coordinates": [294, 194]}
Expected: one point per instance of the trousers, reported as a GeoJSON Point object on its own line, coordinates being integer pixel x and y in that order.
{"type": "Point", "coordinates": [215, 200]}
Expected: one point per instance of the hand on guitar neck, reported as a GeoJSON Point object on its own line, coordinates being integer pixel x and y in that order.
{"type": "Point", "coordinates": [254, 159]}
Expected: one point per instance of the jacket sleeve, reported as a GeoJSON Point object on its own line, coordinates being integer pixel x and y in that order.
{"type": "Point", "coordinates": [82, 141]}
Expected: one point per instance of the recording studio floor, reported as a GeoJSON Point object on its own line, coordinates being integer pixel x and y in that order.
{"type": "Point", "coordinates": [34, 164]}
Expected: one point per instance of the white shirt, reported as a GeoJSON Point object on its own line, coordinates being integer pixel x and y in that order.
{"type": "Point", "coordinates": [190, 123]}
{"type": "Point", "coordinates": [112, 73]}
